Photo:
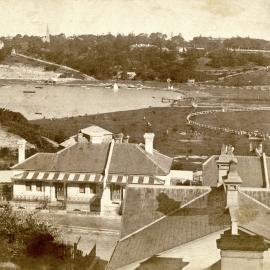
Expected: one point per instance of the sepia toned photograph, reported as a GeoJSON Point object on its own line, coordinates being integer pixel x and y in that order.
{"type": "Point", "coordinates": [135, 135]}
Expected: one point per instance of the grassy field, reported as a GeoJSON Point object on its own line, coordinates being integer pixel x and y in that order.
{"type": "Point", "coordinates": [173, 136]}
{"type": "Point", "coordinates": [259, 77]}
{"type": "Point", "coordinates": [248, 121]}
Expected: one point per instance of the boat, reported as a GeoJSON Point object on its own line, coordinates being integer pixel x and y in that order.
{"type": "Point", "coordinates": [39, 87]}
{"type": "Point", "coordinates": [39, 113]}
{"type": "Point", "coordinates": [115, 87]}
{"type": "Point", "coordinates": [29, 92]}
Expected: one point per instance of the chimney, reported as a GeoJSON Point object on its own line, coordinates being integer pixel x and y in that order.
{"type": "Point", "coordinates": [232, 184]}
{"type": "Point", "coordinates": [118, 137]}
{"type": "Point", "coordinates": [149, 142]}
{"type": "Point", "coordinates": [80, 137]}
{"type": "Point", "coordinates": [241, 252]}
{"type": "Point", "coordinates": [223, 162]}
{"type": "Point", "coordinates": [21, 150]}
{"type": "Point", "coordinates": [126, 139]}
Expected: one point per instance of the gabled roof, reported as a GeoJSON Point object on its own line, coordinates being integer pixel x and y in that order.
{"type": "Point", "coordinates": [199, 217]}
{"type": "Point", "coordinates": [127, 159]}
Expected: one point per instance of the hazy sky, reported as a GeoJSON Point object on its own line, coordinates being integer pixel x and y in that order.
{"type": "Point", "coordinates": [218, 18]}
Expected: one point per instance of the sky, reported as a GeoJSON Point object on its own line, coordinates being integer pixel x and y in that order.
{"type": "Point", "coordinates": [216, 18]}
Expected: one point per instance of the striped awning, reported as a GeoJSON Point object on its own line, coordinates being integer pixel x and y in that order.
{"type": "Point", "coordinates": [59, 176]}
{"type": "Point", "coordinates": [87, 177]}
{"type": "Point", "coordinates": [135, 179]}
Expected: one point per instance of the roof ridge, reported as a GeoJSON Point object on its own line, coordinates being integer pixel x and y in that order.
{"type": "Point", "coordinates": [149, 157]}
{"type": "Point", "coordinates": [169, 214]}
{"type": "Point", "coordinates": [36, 154]}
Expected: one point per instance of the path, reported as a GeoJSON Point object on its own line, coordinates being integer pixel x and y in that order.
{"type": "Point", "coordinates": [87, 77]}
{"type": "Point", "coordinates": [224, 129]}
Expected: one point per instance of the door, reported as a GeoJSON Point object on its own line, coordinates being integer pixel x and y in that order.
{"type": "Point", "coordinates": [59, 191]}
{"type": "Point", "coordinates": [116, 192]}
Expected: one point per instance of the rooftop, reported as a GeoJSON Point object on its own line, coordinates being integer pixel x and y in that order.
{"type": "Point", "coordinates": [127, 158]}
{"type": "Point", "coordinates": [170, 220]}
{"type": "Point", "coordinates": [250, 169]}
{"type": "Point", "coordinates": [95, 130]}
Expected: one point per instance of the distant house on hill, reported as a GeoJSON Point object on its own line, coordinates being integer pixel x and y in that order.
{"type": "Point", "coordinates": [202, 228]}
{"type": "Point", "coordinates": [90, 174]}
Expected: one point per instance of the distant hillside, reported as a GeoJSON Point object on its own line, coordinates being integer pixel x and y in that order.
{"type": "Point", "coordinates": [18, 67]}
{"type": "Point", "coordinates": [16, 123]}
{"type": "Point", "coordinates": [256, 77]}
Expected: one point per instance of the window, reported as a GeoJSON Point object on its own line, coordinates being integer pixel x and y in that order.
{"type": "Point", "coordinates": [39, 187]}
{"type": "Point", "coordinates": [82, 188]}
{"type": "Point", "coordinates": [28, 186]}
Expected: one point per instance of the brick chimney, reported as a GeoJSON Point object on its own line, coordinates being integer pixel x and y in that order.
{"type": "Point", "coordinates": [21, 150]}
{"type": "Point", "coordinates": [149, 142]}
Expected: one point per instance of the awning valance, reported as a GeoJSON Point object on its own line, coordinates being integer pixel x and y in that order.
{"type": "Point", "coordinates": [134, 179]}
{"type": "Point", "coordinates": [87, 177]}
{"type": "Point", "coordinates": [59, 176]}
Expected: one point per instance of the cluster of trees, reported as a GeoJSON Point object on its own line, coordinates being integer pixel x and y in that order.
{"type": "Point", "coordinates": [16, 123]}
{"type": "Point", "coordinates": [153, 56]}
{"type": "Point", "coordinates": [225, 58]}
{"type": "Point", "coordinates": [29, 242]}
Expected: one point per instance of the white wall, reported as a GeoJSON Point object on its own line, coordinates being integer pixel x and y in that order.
{"type": "Point", "coordinates": [19, 189]}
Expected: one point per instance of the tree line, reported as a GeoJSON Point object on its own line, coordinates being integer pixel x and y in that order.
{"type": "Point", "coordinates": [152, 56]}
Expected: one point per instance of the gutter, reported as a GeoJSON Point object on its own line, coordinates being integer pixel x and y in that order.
{"type": "Point", "coordinates": [265, 170]}
{"type": "Point", "coordinates": [108, 162]}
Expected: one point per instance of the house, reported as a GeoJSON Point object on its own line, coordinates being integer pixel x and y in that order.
{"type": "Point", "coordinates": [90, 134]}
{"type": "Point", "coordinates": [198, 228]}
{"type": "Point", "coordinates": [90, 175]}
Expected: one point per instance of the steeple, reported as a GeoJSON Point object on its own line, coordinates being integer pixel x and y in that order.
{"type": "Point", "coordinates": [47, 34]}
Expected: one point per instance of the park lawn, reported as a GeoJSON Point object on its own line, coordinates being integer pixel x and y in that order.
{"type": "Point", "coordinates": [172, 135]}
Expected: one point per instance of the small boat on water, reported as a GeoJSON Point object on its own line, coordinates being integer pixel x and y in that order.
{"type": "Point", "coordinates": [39, 87]}
{"type": "Point", "coordinates": [39, 113]}
{"type": "Point", "coordinates": [29, 92]}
